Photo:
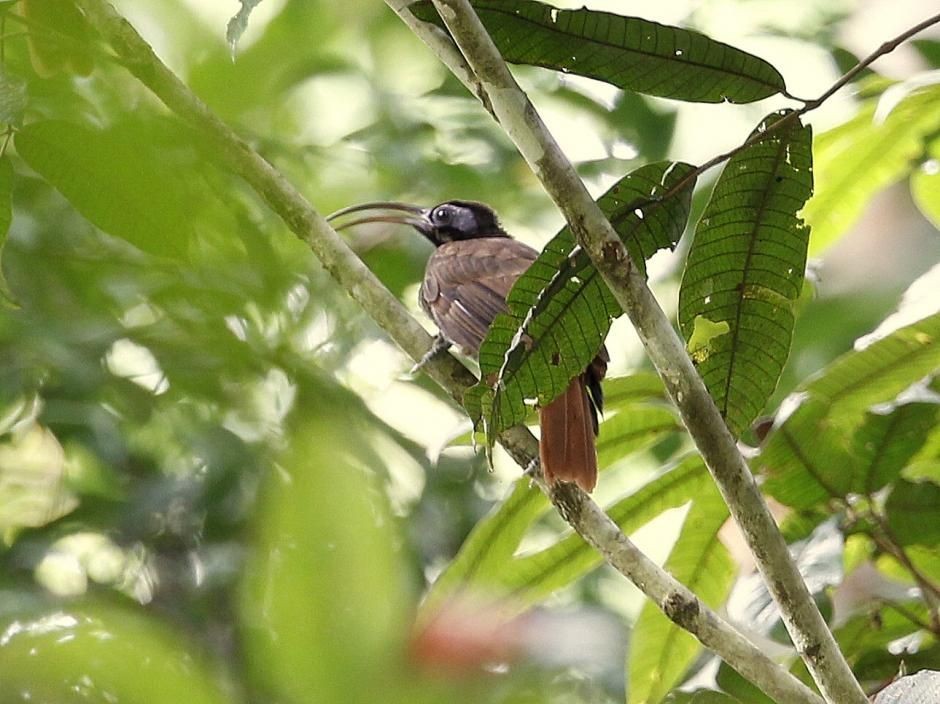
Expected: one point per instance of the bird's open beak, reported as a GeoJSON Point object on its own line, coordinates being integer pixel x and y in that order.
{"type": "Point", "coordinates": [407, 214]}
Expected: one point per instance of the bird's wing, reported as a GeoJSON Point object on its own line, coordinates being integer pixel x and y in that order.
{"type": "Point", "coordinates": [466, 283]}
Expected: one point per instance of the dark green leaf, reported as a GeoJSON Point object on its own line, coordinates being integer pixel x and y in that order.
{"type": "Point", "coordinates": [660, 651]}
{"type": "Point", "coordinates": [886, 442]}
{"type": "Point", "coordinates": [628, 52]}
{"type": "Point", "coordinates": [913, 509]}
{"type": "Point", "coordinates": [745, 270]}
{"type": "Point", "coordinates": [560, 309]}
{"type": "Point", "coordinates": [809, 456]}
{"type": "Point", "coordinates": [533, 577]}
{"type": "Point", "coordinates": [736, 685]}
{"type": "Point", "coordinates": [115, 180]}
{"type": "Point", "coordinates": [805, 462]}
{"type": "Point", "coordinates": [6, 217]}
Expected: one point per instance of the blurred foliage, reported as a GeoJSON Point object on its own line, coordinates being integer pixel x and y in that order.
{"type": "Point", "coordinates": [214, 485]}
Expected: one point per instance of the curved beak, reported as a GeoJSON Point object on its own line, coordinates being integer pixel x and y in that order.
{"type": "Point", "coordinates": [407, 214]}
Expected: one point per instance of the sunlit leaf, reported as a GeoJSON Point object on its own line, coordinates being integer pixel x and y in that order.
{"type": "Point", "coordinates": [324, 543]}
{"type": "Point", "coordinates": [628, 52]}
{"type": "Point", "coordinates": [745, 270]}
{"type": "Point", "coordinates": [660, 651]}
{"type": "Point", "coordinates": [925, 184]}
{"type": "Point", "coordinates": [881, 370]}
{"type": "Point", "coordinates": [857, 159]}
{"type": "Point", "coordinates": [92, 652]}
{"type": "Point", "coordinates": [633, 427]}
{"type": "Point", "coordinates": [118, 183]}
{"type": "Point", "coordinates": [533, 577]}
{"type": "Point", "coordinates": [560, 309]}
{"type": "Point", "coordinates": [641, 386]}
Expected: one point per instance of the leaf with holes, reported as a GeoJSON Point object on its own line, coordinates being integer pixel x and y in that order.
{"type": "Point", "coordinates": [660, 651]}
{"type": "Point", "coordinates": [745, 269]}
{"type": "Point", "coordinates": [560, 309]}
{"type": "Point", "coordinates": [628, 52]}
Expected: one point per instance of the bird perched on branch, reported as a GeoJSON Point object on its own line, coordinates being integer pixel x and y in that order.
{"type": "Point", "coordinates": [465, 285]}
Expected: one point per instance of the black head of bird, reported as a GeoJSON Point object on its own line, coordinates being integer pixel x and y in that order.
{"type": "Point", "coordinates": [450, 221]}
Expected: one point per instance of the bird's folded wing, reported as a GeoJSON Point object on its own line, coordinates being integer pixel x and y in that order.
{"type": "Point", "coordinates": [466, 283]}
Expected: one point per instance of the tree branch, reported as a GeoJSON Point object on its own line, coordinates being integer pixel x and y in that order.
{"type": "Point", "coordinates": [585, 516]}
{"type": "Point", "coordinates": [518, 117]}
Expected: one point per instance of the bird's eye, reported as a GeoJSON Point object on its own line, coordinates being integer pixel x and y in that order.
{"type": "Point", "coordinates": [441, 215]}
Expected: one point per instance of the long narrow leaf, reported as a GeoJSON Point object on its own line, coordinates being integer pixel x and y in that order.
{"type": "Point", "coordinates": [660, 651]}
{"type": "Point", "coordinates": [745, 270]}
{"type": "Point", "coordinates": [533, 577]}
{"type": "Point", "coordinates": [627, 52]}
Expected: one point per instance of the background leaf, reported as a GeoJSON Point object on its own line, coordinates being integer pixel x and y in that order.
{"type": "Point", "coordinates": [857, 159]}
{"type": "Point", "coordinates": [660, 651]}
{"type": "Point", "coordinates": [560, 309]}
{"type": "Point", "coordinates": [745, 269]}
{"type": "Point", "coordinates": [115, 180]}
{"type": "Point", "coordinates": [83, 652]}
{"type": "Point", "coordinates": [6, 217]}
{"type": "Point", "coordinates": [627, 52]}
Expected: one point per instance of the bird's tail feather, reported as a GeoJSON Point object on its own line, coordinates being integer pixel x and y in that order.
{"type": "Point", "coordinates": [567, 448]}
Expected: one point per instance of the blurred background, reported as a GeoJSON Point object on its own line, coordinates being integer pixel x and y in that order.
{"type": "Point", "coordinates": [209, 453]}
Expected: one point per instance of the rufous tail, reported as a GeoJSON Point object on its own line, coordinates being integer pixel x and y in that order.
{"type": "Point", "coordinates": [567, 449]}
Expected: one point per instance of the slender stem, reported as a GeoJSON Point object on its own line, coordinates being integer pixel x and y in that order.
{"type": "Point", "coordinates": [584, 515]}
{"type": "Point", "coordinates": [521, 122]}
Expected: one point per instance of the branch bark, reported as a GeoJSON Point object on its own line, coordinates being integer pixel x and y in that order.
{"type": "Point", "coordinates": [585, 516]}
{"type": "Point", "coordinates": [521, 122]}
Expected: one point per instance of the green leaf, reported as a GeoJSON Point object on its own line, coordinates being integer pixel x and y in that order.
{"type": "Point", "coordinates": [880, 371]}
{"type": "Point", "coordinates": [925, 184]}
{"type": "Point", "coordinates": [886, 442]}
{"type": "Point", "coordinates": [13, 98]}
{"type": "Point", "coordinates": [560, 309]}
{"type": "Point", "coordinates": [490, 546]}
{"type": "Point", "coordinates": [632, 428]}
{"type": "Point", "coordinates": [745, 270]}
{"type": "Point", "coordinates": [624, 390]}
{"type": "Point", "coordinates": [485, 560]}
{"type": "Point", "coordinates": [859, 158]}
{"type": "Point", "coordinates": [912, 509]}
{"type": "Point", "coordinates": [660, 651]}
{"type": "Point", "coordinates": [116, 180]}
{"type": "Point", "coordinates": [808, 456]}
{"type": "Point", "coordinates": [324, 543]}
{"type": "Point", "coordinates": [6, 217]}
{"type": "Point", "coordinates": [533, 577]}
{"type": "Point", "coordinates": [628, 52]}
{"type": "Point", "coordinates": [81, 652]}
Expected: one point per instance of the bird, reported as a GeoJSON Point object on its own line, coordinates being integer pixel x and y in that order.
{"type": "Point", "coordinates": [466, 282]}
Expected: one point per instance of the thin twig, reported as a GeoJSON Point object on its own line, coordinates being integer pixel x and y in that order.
{"type": "Point", "coordinates": [583, 514]}
{"type": "Point", "coordinates": [522, 124]}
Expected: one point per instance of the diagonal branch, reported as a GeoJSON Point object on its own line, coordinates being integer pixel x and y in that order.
{"type": "Point", "coordinates": [518, 118]}
{"type": "Point", "coordinates": [679, 603]}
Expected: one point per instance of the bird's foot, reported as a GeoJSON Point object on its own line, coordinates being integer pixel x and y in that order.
{"type": "Point", "coordinates": [440, 344]}
{"type": "Point", "coordinates": [533, 470]}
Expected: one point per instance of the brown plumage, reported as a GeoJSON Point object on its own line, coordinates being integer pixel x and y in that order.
{"type": "Point", "coordinates": [466, 282]}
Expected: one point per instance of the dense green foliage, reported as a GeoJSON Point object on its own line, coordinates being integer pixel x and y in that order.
{"type": "Point", "coordinates": [215, 485]}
